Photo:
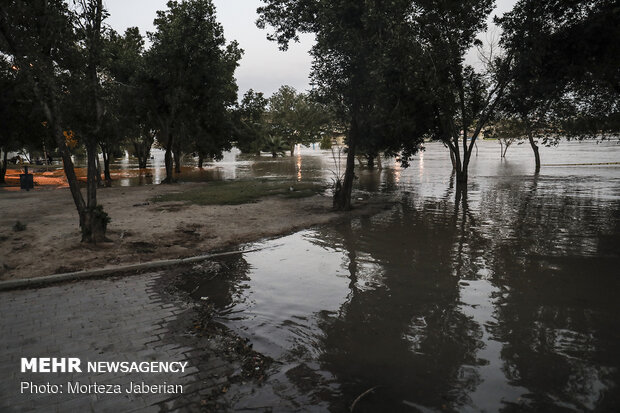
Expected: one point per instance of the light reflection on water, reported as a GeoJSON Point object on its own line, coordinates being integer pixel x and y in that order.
{"type": "Point", "coordinates": [503, 301]}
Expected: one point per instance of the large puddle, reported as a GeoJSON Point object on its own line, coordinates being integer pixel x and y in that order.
{"type": "Point", "coordinates": [505, 300]}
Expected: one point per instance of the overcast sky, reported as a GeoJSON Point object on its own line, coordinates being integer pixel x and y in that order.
{"type": "Point", "coordinates": [263, 67]}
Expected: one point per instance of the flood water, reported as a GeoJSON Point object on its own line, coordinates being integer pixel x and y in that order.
{"type": "Point", "coordinates": [505, 299]}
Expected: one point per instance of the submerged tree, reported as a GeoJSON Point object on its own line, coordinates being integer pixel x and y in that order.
{"type": "Point", "coordinates": [295, 118]}
{"type": "Point", "coordinates": [190, 73]}
{"type": "Point", "coordinates": [464, 100]}
{"type": "Point", "coordinates": [565, 79]}
{"type": "Point", "coordinates": [249, 122]}
{"type": "Point", "coordinates": [355, 54]}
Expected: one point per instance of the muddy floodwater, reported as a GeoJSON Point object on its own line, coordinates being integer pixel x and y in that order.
{"type": "Point", "coordinates": [506, 299]}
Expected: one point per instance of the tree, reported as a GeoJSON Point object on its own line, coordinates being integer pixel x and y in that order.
{"type": "Point", "coordinates": [274, 145]}
{"type": "Point", "coordinates": [190, 72]}
{"type": "Point", "coordinates": [464, 100]}
{"type": "Point", "coordinates": [356, 56]}
{"type": "Point", "coordinates": [249, 122]}
{"type": "Point", "coordinates": [23, 127]}
{"type": "Point", "coordinates": [126, 115]}
{"type": "Point", "coordinates": [565, 80]}
{"type": "Point", "coordinates": [295, 118]}
{"type": "Point", "coordinates": [507, 131]}
{"type": "Point", "coordinates": [42, 42]}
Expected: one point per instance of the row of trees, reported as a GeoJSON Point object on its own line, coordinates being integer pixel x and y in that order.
{"type": "Point", "coordinates": [395, 72]}
{"type": "Point", "coordinates": [73, 79]}
{"type": "Point", "coordinates": [389, 74]}
{"type": "Point", "coordinates": [281, 122]}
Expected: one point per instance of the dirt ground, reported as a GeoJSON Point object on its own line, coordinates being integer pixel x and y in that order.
{"type": "Point", "coordinates": [140, 231]}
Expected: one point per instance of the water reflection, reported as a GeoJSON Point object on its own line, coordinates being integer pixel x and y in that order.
{"type": "Point", "coordinates": [499, 299]}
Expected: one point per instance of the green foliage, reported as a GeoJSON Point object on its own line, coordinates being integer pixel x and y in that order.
{"type": "Point", "coordinates": [274, 145]}
{"type": "Point", "coordinates": [295, 118]}
{"type": "Point", "coordinates": [564, 77]}
{"type": "Point", "coordinates": [191, 79]}
{"type": "Point", "coordinates": [365, 68]}
{"type": "Point", "coordinates": [250, 122]}
{"type": "Point", "coordinates": [242, 192]}
{"type": "Point", "coordinates": [326, 143]}
{"type": "Point", "coordinates": [21, 119]}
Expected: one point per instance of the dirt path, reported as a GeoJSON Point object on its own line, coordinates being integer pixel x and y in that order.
{"type": "Point", "coordinates": [140, 230]}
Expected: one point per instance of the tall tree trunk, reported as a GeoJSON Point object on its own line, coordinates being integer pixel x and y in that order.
{"type": "Point", "coordinates": [141, 153]}
{"type": "Point", "coordinates": [169, 167]}
{"type": "Point", "coordinates": [452, 159]}
{"type": "Point", "coordinates": [168, 160]}
{"type": "Point", "coordinates": [200, 161]}
{"type": "Point", "coordinates": [94, 219]}
{"type": "Point", "coordinates": [67, 162]}
{"type": "Point", "coordinates": [106, 166]}
{"type": "Point", "coordinates": [342, 195]}
{"type": "Point", "coordinates": [142, 160]}
{"type": "Point", "coordinates": [292, 148]}
{"type": "Point", "coordinates": [177, 161]}
{"type": "Point", "coordinates": [98, 175]}
{"type": "Point", "coordinates": [530, 137]}
{"type": "Point", "coordinates": [461, 178]}
{"type": "Point", "coordinates": [370, 161]}
{"type": "Point", "coordinates": [3, 167]}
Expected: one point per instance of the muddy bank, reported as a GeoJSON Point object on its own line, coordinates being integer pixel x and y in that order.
{"type": "Point", "coordinates": [142, 230]}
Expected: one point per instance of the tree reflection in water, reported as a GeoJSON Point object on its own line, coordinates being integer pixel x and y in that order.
{"type": "Point", "coordinates": [500, 299]}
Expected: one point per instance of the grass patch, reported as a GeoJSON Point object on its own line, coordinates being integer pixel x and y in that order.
{"type": "Point", "coordinates": [242, 192]}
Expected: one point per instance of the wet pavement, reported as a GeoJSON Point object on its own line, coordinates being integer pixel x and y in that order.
{"type": "Point", "coordinates": [120, 319]}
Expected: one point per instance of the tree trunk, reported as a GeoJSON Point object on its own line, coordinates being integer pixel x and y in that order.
{"type": "Point", "coordinates": [168, 160]}
{"type": "Point", "coordinates": [535, 149]}
{"type": "Point", "coordinates": [200, 161]}
{"type": "Point", "coordinates": [452, 159]}
{"type": "Point", "coordinates": [93, 219]}
{"type": "Point", "coordinates": [3, 167]}
{"type": "Point", "coordinates": [142, 151]}
{"type": "Point", "coordinates": [142, 160]}
{"type": "Point", "coordinates": [292, 148]}
{"type": "Point", "coordinates": [461, 197]}
{"type": "Point", "coordinates": [177, 161]}
{"type": "Point", "coordinates": [67, 162]}
{"type": "Point", "coordinates": [94, 224]}
{"type": "Point", "coordinates": [342, 194]}
{"type": "Point", "coordinates": [505, 150]}
{"type": "Point", "coordinates": [371, 161]}
{"type": "Point", "coordinates": [106, 167]}
{"type": "Point", "coordinates": [461, 174]}
{"type": "Point", "coordinates": [461, 178]}
{"type": "Point", "coordinates": [98, 167]}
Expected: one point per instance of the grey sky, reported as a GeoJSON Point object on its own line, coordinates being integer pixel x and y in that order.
{"type": "Point", "coordinates": [263, 68]}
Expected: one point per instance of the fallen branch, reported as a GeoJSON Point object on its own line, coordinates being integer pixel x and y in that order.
{"type": "Point", "coordinates": [361, 396]}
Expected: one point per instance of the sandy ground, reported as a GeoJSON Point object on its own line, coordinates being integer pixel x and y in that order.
{"type": "Point", "coordinates": [140, 231]}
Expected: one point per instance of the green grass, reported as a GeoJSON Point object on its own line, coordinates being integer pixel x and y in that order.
{"type": "Point", "coordinates": [242, 192]}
